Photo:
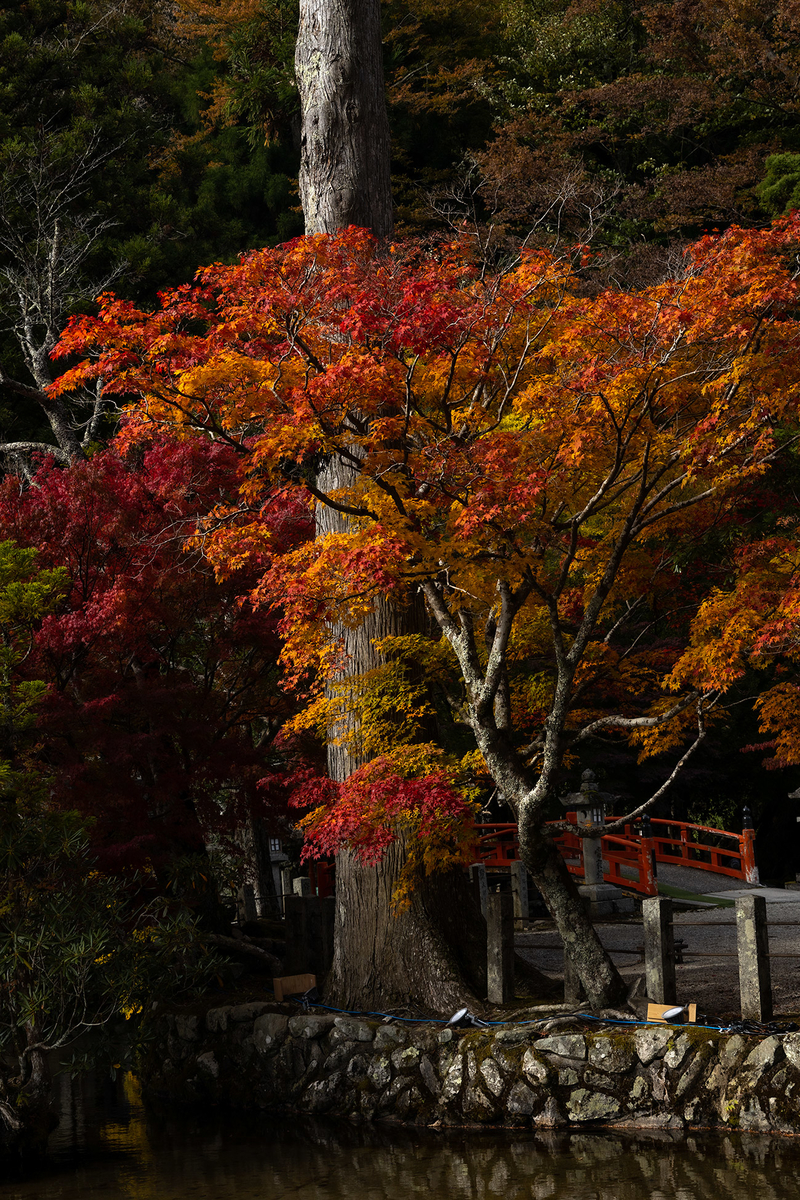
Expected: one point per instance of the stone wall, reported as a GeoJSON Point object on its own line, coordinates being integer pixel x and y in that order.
{"type": "Point", "coordinates": [252, 1056]}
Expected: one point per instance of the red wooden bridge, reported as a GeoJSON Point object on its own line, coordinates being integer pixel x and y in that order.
{"type": "Point", "coordinates": [630, 858]}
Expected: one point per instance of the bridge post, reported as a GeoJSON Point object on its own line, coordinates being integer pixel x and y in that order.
{"type": "Point", "coordinates": [659, 950]}
{"type": "Point", "coordinates": [500, 948]}
{"type": "Point", "coordinates": [752, 937]}
{"type": "Point", "coordinates": [747, 847]}
{"type": "Point", "coordinates": [648, 870]}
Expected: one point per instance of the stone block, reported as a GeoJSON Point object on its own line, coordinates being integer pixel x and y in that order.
{"type": "Point", "coordinates": [651, 1043]}
{"type": "Point", "coordinates": [247, 1012]}
{"type": "Point", "coordinates": [307, 1026]}
{"type": "Point", "coordinates": [379, 1072]}
{"type": "Point", "coordinates": [188, 1028]}
{"type": "Point", "coordinates": [390, 1035]}
{"type": "Point", "coordinates": [521, 1100]}
{"type": "Point", "coordinates": [217, 1019]}
{"type": "Point", "coordinates": [534, 1068]}
{"type": "Point", "coordinates": [584, 1105]}
{"type": "Point", "coordinates": [351, 1030]}
{"type": "Point", "coordinates": [763, 1056]}
{"type": "Point", "coordinates": [610, 1054]}
{"type": "Point", "coordinates": [732, 1051]}
{"type": "Point", "coordinates": [453, 1079]}
{"type": "Point", "coordinates": [405, 1059]}
{"type": "Point", "coordinates": [513, 1036]}
{"type": "Point", "coordinates": [428, 1073]}
{"type": "Point", "coordinates": [476, 1103]}
{"type": "Point", "coordinates": [791, 1048]}
{"type": "Point", "coordinates": [567, 1045]}
{"type": "Point", "coordinates": [677, 1052]}
{"type": "Point", "coordinates": [270, 1030]}
{"type": "Point", "coordinates": [492, 1077]}
{"type": "Point", "coordinates": [208, 1063]}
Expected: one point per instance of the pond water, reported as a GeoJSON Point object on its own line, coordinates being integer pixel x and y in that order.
{"type": "Point", "coordinates": [110, 1147]}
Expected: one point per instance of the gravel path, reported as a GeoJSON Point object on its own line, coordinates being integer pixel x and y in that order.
{"type": "Point", "coordinates": [711, 982]}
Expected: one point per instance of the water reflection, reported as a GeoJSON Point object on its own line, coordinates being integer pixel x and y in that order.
{"type": "Point", "coordinates": [110, 1147]}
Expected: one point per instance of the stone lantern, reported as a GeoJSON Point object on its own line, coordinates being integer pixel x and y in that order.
{"type": "Point", "coordinates": [590, 807]}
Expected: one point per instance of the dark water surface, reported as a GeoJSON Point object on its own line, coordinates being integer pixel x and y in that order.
{"type": "Point", "coordinates": [110, 1147]}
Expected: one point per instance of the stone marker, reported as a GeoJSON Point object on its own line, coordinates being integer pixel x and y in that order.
{"type": "Point", "coordinates": [755, 987]}
{"type": "Point", "coordinates": [301, 886]}
{"type": "Point", "coordinates": [246, 909]}
{"type": "Point", "coordinates": [500, 949]}
{"type": "Point", "coordinates": [286, 884]}
{"type": "Point", "coordinates": [519, 891]}
{"type": "Point", "coordinates": [477, 874]}
{"type": "Point", "coordinates": [659, 950]}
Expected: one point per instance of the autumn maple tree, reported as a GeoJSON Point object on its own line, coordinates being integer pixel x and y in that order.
{"type": "Point", "coordinates": [162, 693]}
{"type": "Point", "coordinates": [529, 459]}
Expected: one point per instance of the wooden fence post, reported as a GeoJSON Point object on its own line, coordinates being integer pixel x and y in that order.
{"type": "Point", "coordinates": [752, 937]}
{"type": "Point", "coordinates": [659, 950]}
{"type": "Point", "coordinates": [500, 948]}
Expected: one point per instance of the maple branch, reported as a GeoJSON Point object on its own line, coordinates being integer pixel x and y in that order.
{"type": "Point", "coordinates": [637, 812]}
{"type": "Point", "coordinates": [337, 505]}
{"type": "Point", "coordinates": [39, 447]}
{"type": "Point", "coordinates": [618, 722]}
{"type": "Point", "coordinates": [623, 618]}
{"type": "Point", "coordinates": [510, 604]}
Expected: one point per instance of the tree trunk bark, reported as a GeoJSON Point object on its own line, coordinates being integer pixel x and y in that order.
{"type": "Point", "coordinates": [344, 168]}
{"type": "Point", "coordinates": [413, 959]}
{"type": "Point", "coordinates": [433, 955]}
{"type": "Point", "coordinates": [601, 979]}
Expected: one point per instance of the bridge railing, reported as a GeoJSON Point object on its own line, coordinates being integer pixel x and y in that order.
{"type": "Point", "coordinates": [498, 847]}
{"type": "Point", "coordinates": [706, 849]}
{"type": "Point", "coordinates": [685, 843]}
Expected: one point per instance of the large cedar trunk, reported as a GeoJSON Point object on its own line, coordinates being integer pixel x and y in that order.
{"type": "Point", "coordinates": [431, 956]}
{"type": "Point", "coordinates": [425, 955]}
{"type": "Point", "coordinates": [344, 169]}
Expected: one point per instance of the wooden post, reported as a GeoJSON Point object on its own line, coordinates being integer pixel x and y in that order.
{"type": "Point", "coordinates": [659, 950]}
{"type": "Point", "coordinates": [500, 949]}
{"type": "Point", "coordinates": [647, 860]}
{"type": "Point", "coordinates": [747, 848]}
{"type": "Point", "coordinates": [519, 891]}
{"type": "Point", "coordinates": [752, 937]}
{"type": "Point", "coordinates": [477, 874]}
